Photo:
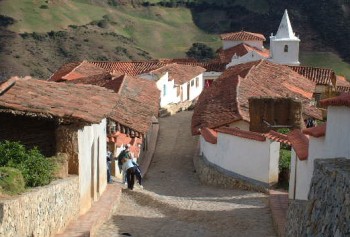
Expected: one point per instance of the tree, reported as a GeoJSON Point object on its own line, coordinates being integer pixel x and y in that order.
{"type": "Point", "coordinates": [200, 51]}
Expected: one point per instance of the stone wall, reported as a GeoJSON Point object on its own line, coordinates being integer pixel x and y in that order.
{"type": "Point", "coordinates": [213, 175]}
{"type": "Point", "coordinates": [42, 211]}
{"type": "Point", "coordinates": [327, 211]}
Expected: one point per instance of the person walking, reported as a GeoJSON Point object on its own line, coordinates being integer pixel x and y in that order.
{"type": "Point", "coordinates": [123, 154]}
{"type": "Point", "coordinates": [129, 169]}
{"type": "Point", "coordinates": [109, 177]}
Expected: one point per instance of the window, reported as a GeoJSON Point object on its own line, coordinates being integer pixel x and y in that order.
{"type": "Point", "coordinates": [192, 83]}
{"type": "Point", "coordinates": [286, 48]}
{"type": "Point", "coordinates": [197, 81]}
{"type": "Point", "coordinates": [164, 90]}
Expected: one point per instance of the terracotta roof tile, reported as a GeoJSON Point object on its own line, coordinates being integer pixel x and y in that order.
{"type": "Point", "coordinates": [225, 56]}
{"type": "Point", "coordinates": [180, 73]}
{"type": "Point", "coordinates": [321, 76]}
{"type": "Point", "coordinates": [209, 135]}
{"type": "Point", "coordinates": [49, 99]}
{"type": "Point", "coordinates": [318, 131]}
{"type": "Point", "coordinates": [342, 84]}
{"type": "Point", "coordinates": [63, 70]}
{"type": "Point", "coordinates": [342, 100]}
{"type": "Point", "coordinates": [278, 137]}
{"type": "Point", "coordinates": [133, 68]}
{"type": "Point", "coordinates": [226, 100]}
{"type": "Point", "coordinates": [243, 36]}
{"type": "Point", "coordinates": [300, 143]}
{"type": "Point", "coordinates": [242, 133]}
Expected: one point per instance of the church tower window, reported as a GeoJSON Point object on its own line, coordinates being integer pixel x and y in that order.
{"type": "Point", "coordinates": [286, 48]}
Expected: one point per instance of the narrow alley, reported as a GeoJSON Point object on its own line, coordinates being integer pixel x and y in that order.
{"type": "Point", "coordinates": [175, 203]}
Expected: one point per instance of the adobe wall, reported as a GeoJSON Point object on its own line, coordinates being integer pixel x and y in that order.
{"type": "Point", "coordinates": [29, 131]}
{"type": "Point", "coordinates": [327, 211]}
{"type": "Point", "coordinates": [42, 211]}
{"type": "Point", "coordinates": [67, 142]}
{"type": "Point", "coordinates": [276, 111]}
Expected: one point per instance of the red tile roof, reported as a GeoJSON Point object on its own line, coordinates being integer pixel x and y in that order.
{"type": "Point", "coordinates": [342, 100]}
{"type": "Point", "coordinates": [225, 56]}
{"type": "Point", "coordinates": [276, 136]}
{"type": "Point", "coordinates": [226, 100]}
{"type": "Point", "coordinates": [342, 84]}
{"type": "Point", "coordinates": [242, 133]}
{"type": "Point", "coordinates": [209, 135]}
{"type": "Point", "coordinates": [321, 76]}
{"type": "Point", "coordinates": [180, 73]}
{"type": "Point", "coordinates": [318, 131]}
{"type": "Point", "coordinates": [243, 36]}
{"type": "Point", "coordinates": [82, 71]}
{"type": "Point", "coordinates": [300, 143]}
{"type": "Point", "coordinates": [49, 99]}
{"type": "Point", "coordinates": [135, 89]}
{"type": "Point", "coordinates": [133, 68]}
{"type": "Point", "coordinates": [63, 70]}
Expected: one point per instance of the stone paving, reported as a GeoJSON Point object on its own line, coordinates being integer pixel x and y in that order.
{"type": "Point", "coordinates": [175, 203]}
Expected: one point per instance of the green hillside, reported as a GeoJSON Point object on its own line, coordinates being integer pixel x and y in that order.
{"type": "Point", "coordinates": [47, 33]}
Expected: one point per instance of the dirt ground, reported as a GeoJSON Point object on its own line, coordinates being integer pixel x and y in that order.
{"type": "Point", "coordinates": [175, 203]}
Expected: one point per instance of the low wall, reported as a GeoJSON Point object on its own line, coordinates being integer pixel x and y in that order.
{"type": "Point", "coordinates": [214, 175]}
{"type": "Point", "coordinates": [42, 211]}
{"type": "Point", "coordinates": [327, 210]}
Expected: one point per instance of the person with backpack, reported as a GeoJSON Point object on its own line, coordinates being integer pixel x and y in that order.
{"type": "Point", "coordinates": [123, 154]}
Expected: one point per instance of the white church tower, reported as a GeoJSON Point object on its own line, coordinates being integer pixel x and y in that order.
{"type": "Point", "coordinates": [284, 46]}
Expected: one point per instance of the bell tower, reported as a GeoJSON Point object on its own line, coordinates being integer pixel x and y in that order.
{"type": "Point", "coordinates": [284, 46]}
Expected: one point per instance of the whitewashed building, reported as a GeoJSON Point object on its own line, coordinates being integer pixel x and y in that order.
{"type": "Point", "coordinates": [330, 140]}
{"type": "Point", "coordinates": [177, 82]}
{"type": "Point", "coordinates": [284, 46]}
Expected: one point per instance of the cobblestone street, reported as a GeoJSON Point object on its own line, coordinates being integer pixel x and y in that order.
{"type": "Point", "coordinates": [175, 203]}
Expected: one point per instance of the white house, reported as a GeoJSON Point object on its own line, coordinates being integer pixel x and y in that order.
{"type": "Point", "coordinates": [59, 117]}
{"type": "Point", "coordinates": [177, 82]}
{"type": "Point", "coordinates": [232, 39]}
{"type": "Point", "coordinates": [284, 46]}
{"type": "Point", "coordinates": [330, 140]}
{"type": "Point", "coordinates": [248, 156]}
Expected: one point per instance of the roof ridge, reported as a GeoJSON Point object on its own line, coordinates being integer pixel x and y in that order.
{"type": "Point", "coordinates": [72, 70]}
{"type": "Point", "coordinates": [6, 85]}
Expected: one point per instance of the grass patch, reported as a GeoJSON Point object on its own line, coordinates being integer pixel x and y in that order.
{"type": "Point", "coordinates": [326, 60]}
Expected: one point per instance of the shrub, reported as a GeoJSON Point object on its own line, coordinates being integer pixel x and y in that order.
{"type": "Point", "coordinates": [284, 162]}
{"type": "Point", "coordinates": [11, 181]}
{"type": "Point", "coordinates": [200, 51]}
{"type": "Point", "coordinates": [36, 169]}
{"type": "Point", "coordinates": [6, 21]}
{"type": "Point", "coordinates": [44, 7]}
{"type": "Point", "coordinates": [12, 153]}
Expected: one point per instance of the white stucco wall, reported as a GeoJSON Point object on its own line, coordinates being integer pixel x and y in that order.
{"type": "Point", "coordinates": [170, 95]}
{"type": "Point", "coordinates": [92, 163]}
{"type": "Point", "coordinates": [229, 44]}
{"type": "Point", "coordinates": [338, 132]}
{"type": "Point", "coordinates": [304, 169]}
{"type": "Point", "coordinates": [241, 124]}
{"type": "Point", "coordinates": [249, 57]}
{"type": "Point", "coordinates": [277, 54]}
{"type": "Point", "coordinates": [194, 89]}
{"type": "Point", "coordinates": [249, 158]}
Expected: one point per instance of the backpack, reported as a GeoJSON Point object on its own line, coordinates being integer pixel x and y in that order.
{"type": "Point", "coordinates": [120, 157]}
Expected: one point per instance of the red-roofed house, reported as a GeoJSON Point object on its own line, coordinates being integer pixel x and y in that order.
{"type": "Point", "coordinates": [330, 140]}
{"type": "Point", "coordinates": [226, 101]}
{"type": "Point", "coordinates": [177, 82]}
{"type": "Point", "coordinates": [66, 118]}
